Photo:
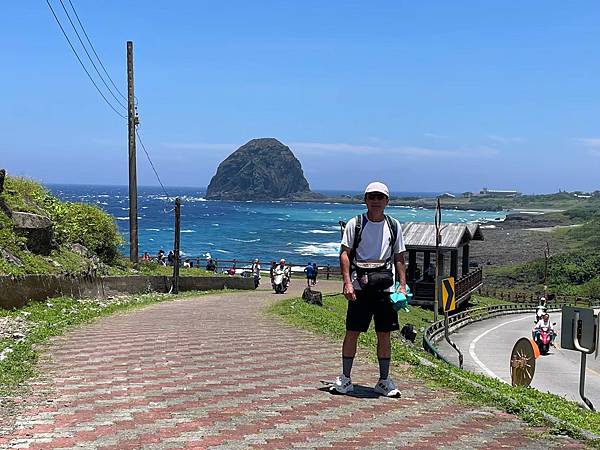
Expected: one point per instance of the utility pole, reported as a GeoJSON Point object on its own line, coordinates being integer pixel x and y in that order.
{"type": "Point", "coordinates": [177, 235]}
{"type": "Point", "coordinates": [438, 241]}
{"type": "Point", "coordinates": [131, 124]}
{"type": "Point", "coordinates": [546, 257]}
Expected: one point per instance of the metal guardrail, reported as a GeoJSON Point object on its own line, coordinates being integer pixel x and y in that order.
{"type": "Point", "coordinates": [435, 331]}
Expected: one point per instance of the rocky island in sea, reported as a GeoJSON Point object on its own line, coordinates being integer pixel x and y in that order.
{"type": "Point", "coordinates": [262, 169]}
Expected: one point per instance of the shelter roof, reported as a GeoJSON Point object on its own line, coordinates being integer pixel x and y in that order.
{"type": "Point", "coordinates": [421, 235]}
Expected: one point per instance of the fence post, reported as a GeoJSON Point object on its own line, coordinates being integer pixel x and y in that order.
{"type": "Point", "coordinates": [328, 271]}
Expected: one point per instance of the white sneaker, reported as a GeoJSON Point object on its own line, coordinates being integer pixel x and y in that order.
{"type": "Point", "coordinates": [387, 388]}
{"type": "Point", "coordinates": [343, 384]}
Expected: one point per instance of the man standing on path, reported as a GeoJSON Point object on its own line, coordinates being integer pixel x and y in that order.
{"type": "Point", "coordinates": [372, 247]}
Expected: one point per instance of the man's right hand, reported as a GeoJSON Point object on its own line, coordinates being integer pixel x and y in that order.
{"type": "Point", "coordinates": [349, 292]}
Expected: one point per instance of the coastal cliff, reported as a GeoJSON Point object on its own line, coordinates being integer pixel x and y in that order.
{"type": "Point", "coordinates": [262, 169]}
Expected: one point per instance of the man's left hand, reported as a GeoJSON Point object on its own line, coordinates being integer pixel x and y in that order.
{"type": "Point", "coordinates": [402, 288]}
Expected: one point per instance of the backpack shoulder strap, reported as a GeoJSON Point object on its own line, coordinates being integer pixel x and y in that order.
{"type": "Point", "coordinates": [358, 227]}
{"type": "Point", "coordinates": [393, 226]}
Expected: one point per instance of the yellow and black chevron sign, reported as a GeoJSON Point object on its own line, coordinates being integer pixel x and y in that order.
{"type": "Point", "coordinates": [448, 297]}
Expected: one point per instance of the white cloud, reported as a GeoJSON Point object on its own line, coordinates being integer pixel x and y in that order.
{"type": "Point", "coordinates": [504, 139]}
{"type": "Point", "coordinates": [589, 142]}
{"type": "Point", "coordinates": [319, 148]}
{"type": "Point", "coordinates": [312, 148]}
{"type": "Point", "coordinates": [200, 146]}
{"type": "Point", "coordinates": [592, 144]}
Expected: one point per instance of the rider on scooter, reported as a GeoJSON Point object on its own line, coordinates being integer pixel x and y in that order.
{"type": "Point", "coordinates": [544, 322]}
{"type": "Point", "coordinates": [540, 310]}
{"type": "Point", "coordinates": [281, 269]}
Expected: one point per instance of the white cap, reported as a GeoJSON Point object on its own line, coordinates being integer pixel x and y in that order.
{"type": "Point", "coordinates": [376, 186]}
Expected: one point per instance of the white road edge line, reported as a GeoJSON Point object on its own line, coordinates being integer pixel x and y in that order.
{"type": "Point", "coordinates": [474, 341]}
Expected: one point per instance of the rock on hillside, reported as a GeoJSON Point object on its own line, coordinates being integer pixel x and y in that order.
{"type": "Point", "coordinates": [262, 169]}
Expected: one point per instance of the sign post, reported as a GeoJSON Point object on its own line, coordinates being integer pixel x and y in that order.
{"type": "Point", "coordinates": [580, 331]}
{"type": "Point", "coordinates": [448, 299]}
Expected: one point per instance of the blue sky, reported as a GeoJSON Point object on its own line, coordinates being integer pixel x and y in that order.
{"type": "Point", "coordinates": [427, 96]}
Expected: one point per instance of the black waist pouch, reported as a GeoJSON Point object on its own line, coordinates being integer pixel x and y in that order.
{"type": "Point", "coordinates": [374, 275]}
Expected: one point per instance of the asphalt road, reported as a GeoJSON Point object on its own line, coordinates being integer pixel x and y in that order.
{"type": "Point", "coordinates": [487, 346]}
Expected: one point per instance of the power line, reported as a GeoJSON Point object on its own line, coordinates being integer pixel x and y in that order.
{"type": "Point", "coordinates": [81, 62]}
{"type": "Point", "coordinates": [151, 163]}
{"type": "Point", "coordinates": [94, 50]}
{"type": "Point", "coordinates": [88, 55]}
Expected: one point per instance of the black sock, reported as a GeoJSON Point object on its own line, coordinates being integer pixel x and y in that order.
{"type": "Point", "coordinates": [384, 368]}
{"type": "Point", "coordinates": [347, 365]}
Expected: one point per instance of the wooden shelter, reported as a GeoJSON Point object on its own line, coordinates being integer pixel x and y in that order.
{"type": "Point", "coordinates": [419, 239]}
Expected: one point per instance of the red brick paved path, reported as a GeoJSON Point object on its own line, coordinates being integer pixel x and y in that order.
{"type": "Point", "coordinates": [212, 372]}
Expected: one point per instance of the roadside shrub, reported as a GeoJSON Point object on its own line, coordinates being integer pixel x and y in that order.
{"type": "Point", "coordinates": [89, 226]}
{"type": "Point", "coordinates": [77, 222]}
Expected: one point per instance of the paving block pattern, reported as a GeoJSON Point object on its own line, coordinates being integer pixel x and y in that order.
{"type": "Point", "coordinates": [213, 372]}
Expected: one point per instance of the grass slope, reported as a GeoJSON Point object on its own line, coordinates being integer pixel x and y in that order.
{"type": "Point", "coordinates": [72, 223]}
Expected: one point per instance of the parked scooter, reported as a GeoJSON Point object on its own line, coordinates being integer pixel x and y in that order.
{"type": "Point", "coordinates": [281, 280]}
{"type": "Point", "coordinates": [256, 280]}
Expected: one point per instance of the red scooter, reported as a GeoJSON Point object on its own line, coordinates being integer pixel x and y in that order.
{"type": "Point", "coordinates": [543, 338]}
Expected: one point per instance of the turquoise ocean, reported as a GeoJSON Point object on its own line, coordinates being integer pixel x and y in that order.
{"type": "Point", "coordinates": [298, 232]}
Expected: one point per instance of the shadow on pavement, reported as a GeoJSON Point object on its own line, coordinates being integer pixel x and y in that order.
{"type": "Point", "coordinates": [359, 391]}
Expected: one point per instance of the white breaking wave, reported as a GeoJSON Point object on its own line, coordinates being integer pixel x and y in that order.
{"type": "Point", "coordinates": [319, 232]}
{"type": "Point", "coordinates": [326, 249]}
{"type": "Point", "coordinates": [122, 218]}
{"type": "Point", "coordinates": [191, 199]}
{"type": "Point", "coordinates": [152, 229]}
{"type": "Point", "coordinates": [242, 240]}
{"type": "Point", "coordinates": [222, 251]}
{"type": "Point", "coordinates": [188, 231]}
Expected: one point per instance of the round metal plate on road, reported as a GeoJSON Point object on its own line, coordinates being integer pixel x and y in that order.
{"type": "Point", "coordinates": [522, 363]}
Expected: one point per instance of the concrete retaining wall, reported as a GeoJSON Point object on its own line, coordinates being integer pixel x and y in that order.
{"type": "Point", "coordinates": [17, 291]}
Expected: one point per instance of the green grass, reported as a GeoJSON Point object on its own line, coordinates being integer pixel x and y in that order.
{"type": "Point", "coordinates": [329, 320]}
{"type": "Point", "coordinates": [56, 316]}
{"type": "Point", "coordinates": [573, 268]}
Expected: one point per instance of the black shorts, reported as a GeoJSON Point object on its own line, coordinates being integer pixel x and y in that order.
{"type": "Point", "coordinates": [369, 305]}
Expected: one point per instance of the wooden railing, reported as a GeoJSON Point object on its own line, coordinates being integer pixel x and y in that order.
{"type": "Point", "coordinates": [526, 297]}
{"type": "Point", "coordinates": [326, 271]}
{"type": "Point", "coordinates": [468, 283]}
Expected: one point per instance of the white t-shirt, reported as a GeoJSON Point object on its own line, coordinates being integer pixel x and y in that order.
{"type": "Point", "coordinates": [374, 243]}
{"type": "Point", "coordinates": [541, 324]}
